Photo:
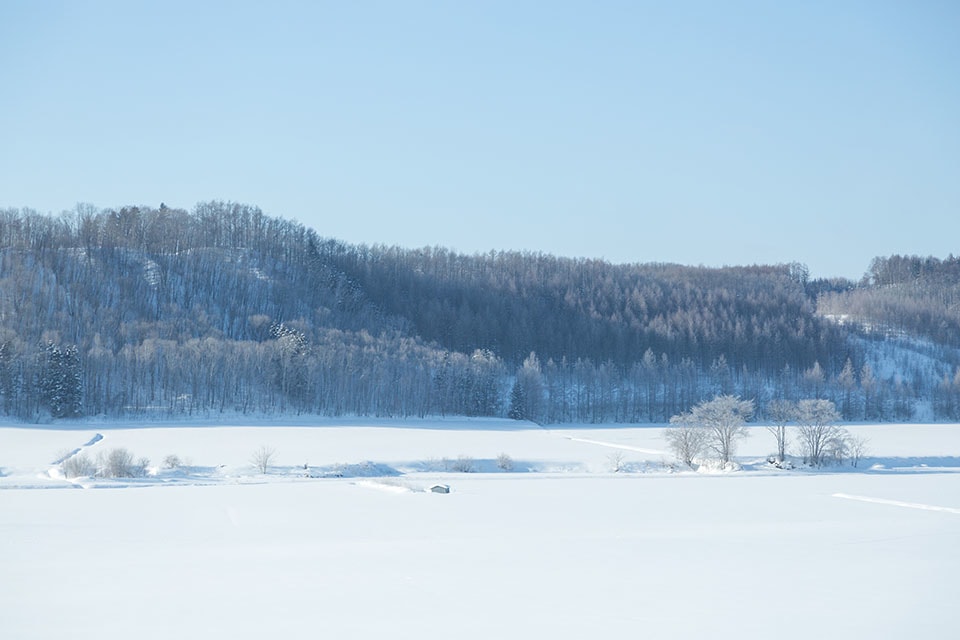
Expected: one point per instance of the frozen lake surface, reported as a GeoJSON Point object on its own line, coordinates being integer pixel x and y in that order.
{"type": "Point", "coordinates": [558, 547]}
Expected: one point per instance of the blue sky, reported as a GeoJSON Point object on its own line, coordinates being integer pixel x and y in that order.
{"type": "Point", "coordinates": [693, 132]}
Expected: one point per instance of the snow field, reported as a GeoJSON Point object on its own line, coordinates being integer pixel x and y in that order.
{"type": "Point", "coordinates": [569, 550]}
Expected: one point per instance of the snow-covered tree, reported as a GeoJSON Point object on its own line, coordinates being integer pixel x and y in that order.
{"type": "Point", "coordinates": [686, 439]}
{"type": "Point", "coordinates": [819, 435]}
{"type": "Point", "coordinates": [780, 412]}
{"type": "Point", "coordinates": [291, 351]}
{"type": "Point", "coordinates": [526, 397]}
{"type": "Point", "coordinates": [723, 418]}
{"type": "Point", "coordinates": [60, 383]}
{"type": "Point", "coordinates": [518, 402]}
{"type": "Point", "coordinates": [262, 458]}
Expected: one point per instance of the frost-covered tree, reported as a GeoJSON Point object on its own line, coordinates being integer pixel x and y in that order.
{"type": "Point", "coordinates": [291, 350]}
{"type": "Point", "coordinates": [814, 379]}
{"type": "Point", "coordinates": [780, 412]}
{"type": "Point", "coordinates": [118, 463]}
{"type": "Point", "coordinates": [76, 465]}
{"type": "Point", "coordinates": [526, 397]}
{"type": "Point", "coordinates": [856, 448]}
{"type": "Point", "coordinates": [262, 458]}
{"type": "Point", "coordinates": [818, 433]}
{"type": "Point", "coordinates": [484, 374]}
{"type": "Point", "coordinates": [724, 420]}
{"type": "Point", "coordinates": [686, 439]}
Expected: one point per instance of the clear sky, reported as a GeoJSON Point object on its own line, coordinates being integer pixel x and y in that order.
{"type": "Point", "coordinates": [697, 132]}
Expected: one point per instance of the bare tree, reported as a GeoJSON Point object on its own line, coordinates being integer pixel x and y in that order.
{"type": "Point", "coordinates": [616, 461]}
{"type": "Point", "coordinates": [780, 413]}
{"type": "Point", "coordinates": [262, 458]}
{"type": "Point", "coordinates": [724, 418]}
{"type": "Point", "coordinates": [118, 463]}
{"type": "Point", "coordinates": [847, 381]}
{"type": "Point", "coordinates": [463, 464]}
{"type": "Point", "coordinates": [685, 439]}
{"type": "Point", "coordinates": [856, 448]}
{"type": "Point", "coordinates": [504, 462]}
{"type": "Point", "coordinates": [817, 430]}
{"type": "Point", "coordinates": [78, 465]}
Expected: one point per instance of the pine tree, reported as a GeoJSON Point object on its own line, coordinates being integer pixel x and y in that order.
{"type": "Point", "coordinates": [518, 402]}
{"type": "Point", "coordinates": [61, 384]}
{"type": "Point", "coordinates": [8, 378]}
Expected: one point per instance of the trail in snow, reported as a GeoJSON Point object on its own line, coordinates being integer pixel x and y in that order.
{"type": "Point", "coordinates": [55, 470]}
{"type": "Point", "coordinates": [897, 503]}
{"type": "Point", "coordinates": [614, 445]}
{"type": "Point", "coordinates": [66, 456]}
{"type": "Point", "coordinates": [92, 441]}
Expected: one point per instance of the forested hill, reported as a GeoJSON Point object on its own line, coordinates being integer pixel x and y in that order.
{"type": "Point", "coordinates": [137, 311]}
{"type": "Point", "coordinates": [904, 294]}
{"type": "Point", "coordinates": [515, 303]}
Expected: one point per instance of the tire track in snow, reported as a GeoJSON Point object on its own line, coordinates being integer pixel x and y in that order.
{"type": "Point", "coordinates": [897, 503]}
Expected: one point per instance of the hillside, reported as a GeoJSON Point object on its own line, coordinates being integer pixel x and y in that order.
{"type": "Point", "coordinates": [906, 310]}
{"type": "Point", "coordinates": [906, 295]}
{"type": "Point", "coordinates": [161, 311]}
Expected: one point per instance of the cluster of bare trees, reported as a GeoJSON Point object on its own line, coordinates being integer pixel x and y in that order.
{"type": "Point", "coordinates": [116, 463]}
{"type": "Point", "coordinates": [712, 429]}
{"type": "Point", "coordinates": [820, 440]}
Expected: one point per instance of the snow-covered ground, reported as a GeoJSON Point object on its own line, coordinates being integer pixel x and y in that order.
{"type": "Point", "coordinates": [340, 538]}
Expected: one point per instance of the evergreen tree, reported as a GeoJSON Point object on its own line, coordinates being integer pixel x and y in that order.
{"type": "Point", "coordinates": [518, 402]}
{"type": "Point", "coordinates": [8, 376]}
{"type": "Point", "coordinates": [61, 387]}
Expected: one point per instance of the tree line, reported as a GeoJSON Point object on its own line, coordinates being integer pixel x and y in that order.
{"type": "Point", "coordinates": [143, 310]}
